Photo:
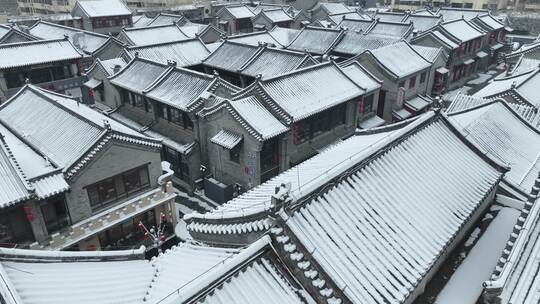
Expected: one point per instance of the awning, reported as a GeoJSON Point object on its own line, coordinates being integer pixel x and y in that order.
{"type": "Point", "coordinates": [496, 46]}
{"type": "Point", "coordinates": [226, 139]}
{"type": "Point", "coordinates": [372, 122]}
{"type": "Point", "coordinates": [418, 103]}
{"type": "Point", "coordinates": [92, 83]}
{"type": "Point", "coordinates": [468, 61]}
{"type": "Point", "coordinates": [402, 114]}
{"type": "Point", "coordinates": [442, 70]}
{"type": "Point", "coordinates": [482, 54]}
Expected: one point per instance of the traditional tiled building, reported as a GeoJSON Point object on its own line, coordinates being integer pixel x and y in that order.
{"type": "Point", "coordinates": [235, 19]}
{"type": "Point", "coordinates": [52, 64]}
{"type": "Point", "coordinates": [74, 179]}
{"type": "Point", "coordinates": [103, 16]}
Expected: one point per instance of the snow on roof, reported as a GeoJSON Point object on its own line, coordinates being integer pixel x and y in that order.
{"type": "Point", "coordinates": [231, 56]}
{"type": "Point", "coordinates": [315, 40]}
{"type": "Point", "coordinates": [179, 87]}
{"type": "Point", "coordinates": [377, 245]}
{"type": "Point", "coordinates": [460, 13]}
{"type": "Point", "coordinates": [308, 91]}
{"type": "Point", "coordinates": [185, 53]}
{"type": "Point", "coordinates": [391, 58]}
{"type": "Point", "coordinates": [429, 53]}
{"type": "Point", "coordinates": [356, 25]}
{"type": "Point", "coordinates": [390, 29]}
{"type": "Point", "coordinates": [165, 19]}
{"type": "Point", "coordinates": [153, 34]}
{"type": "Point", "coordinates": [15, 55]}
{"type": "Point", "coordinates": [103, 8]}
{"type": "Point", "coordinates": [276, 15]}
{"type": "Point", "coordinates": [306, 175]}
{"type": "Point", "coordinates": [252, 111]}
{"type": "Point", "coordinates": [84, 40]}
{"type": "Point", "coordinates": [12, 186]}
{"type": "Point", "coordinates": [423, 23]}
{"type": "Point", "coordinates": [462, 30]}
{"type": "Point", "coordinates": [59, 127]}
{"type": "Point", "coordinates": [193, 29]}
{"type": "Point", "coordinates": [525, 85]}
{"type": "Point", "coordinates": [524, 65]}
{"type": "Point", "coordinates": [337, 18]}
{"type": "Point", "coordinates": [463, 102]}
{"type": "Point", "coordinates": [491, 22]}
{"type": "Point", "coordinates": [444, 39]}
{"type": "Point", "coordinates": [270, 62]}
{"type": "Point", "coordinates": [334, 8]}
{"type": "Point", "coordinates": [362, 77]}
{"type": "Point", "coordinates": [516, 277]}
{"type": "Point", "coordinates": [390, 16]}
{"type": "Point", "coordinates": [283, 35]}
{"type": "Point", "coordinates": [239, 11]}
{"type": "Point", "coordinates": [138, 74]}
{"type": "Point", "coordinates": [226, 139]}
{"type": "Point", "coordinates": [255, 38]}
{"type": "Point", "coordinates": [87, 278]}
{"type": "Point", "coordinates": [507, 136]}
{"type": "Point", "coordinates": [354, 43]}
{"type": "Point", "coordinates": [110, 64]}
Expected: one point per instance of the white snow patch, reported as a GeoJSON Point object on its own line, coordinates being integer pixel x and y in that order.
{"type": "Point", "coordinates": [488, 216]}
{"type": "Point", "coordinates": [181, 230]}
{"type": "Point", "coordinates": [472, 238]}
{"type": "Point", "coordinates": [184, 209]}
{"type": "Point", "coordinates": [465, 285]}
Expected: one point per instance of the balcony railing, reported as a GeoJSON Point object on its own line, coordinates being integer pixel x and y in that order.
{"type": "Point", "coordinates": [108, 218]}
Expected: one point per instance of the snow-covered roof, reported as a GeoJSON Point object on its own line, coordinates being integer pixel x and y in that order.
{"type": "Point", "coordinates": [315, 40]}
{"type": "Point", "coordinates": [270, 62]}
{"type": "Point", "coordinates": [523, 87]}
{"type": "Point", "coordinates": [227, 139]}
{"type": "Point", "coordinates": [103, 8]}
{"type": "Point", "coordinates": [237, 11]}
{"type": "Point", "coordinates": [356, 25]}
{"type": "Point", "coordinates": [354, 43]}
{"type": "Point", "coordinates": [283, 35]}
{"type": "Point", "coordinates": [503, 133]}
{"type": "Point", "coordinates": [231, 56]}
{"type": "Point", "coordinates": [255, 38]}
{"type": "Point", "coordinates": [377, 245]}
{"type": "Point", "coordinates": [390, 16]}
{"type": "Point", "coordinates": [110, 64]}
{"type": "Point", "coordinates": [449, 13]}
{"type": "Point", "coordinates": [61, 130]}
{"type": "Point", "coordinates": [152, 34]}
{"type": "Point", "coordinates": [490, 22]}
{"type": "Point", "coordinates": [192, 30]}
{"type": "Point", "coordinates": [179, 87]}
{"type": "Point", "coordinates": [390, 29]}
{"type": "Point", "coordinates": [117, 276]}
{"type": "Point", "coordinates": [462, 30]}
{"type": "Point", "coordinates": [429, 53]}
{"type": "Point", "coordinates": [308, 91]}
{"type": "Point", "coordinates": [21, 54]}
{"type": "Point", "coordinates": [516, 277]}
{"type": "Point", "coordinates": [185, 53]}
{"type": "Point", "coordinates": [362, 77]}
{"type": "Point", "coordinates": [252, 112]}
{"type": "Point", "coordinates": [525, 64]}
{"type": "Point", "coordinates": [463, 102]}
{"type": "Point", "coordinates": [337, 18]}
{"type": "Point", "coordinates": [138, 74]}
{"type": "Point", "coordinates": [84, 40]}
{"type": "Point", "coordinates": [333, 8]}
{"type": "Point", "coordinates": [141, 20]}
{"type": "Point", "coordinates": [423, 23]}
{"type": "Point", "coordinates": [304, 176]}
{"type": "Point", "coordinates": [275, 15]}
{"type": "Point", "coordinates": [390, 57]}
{"type": "Point", "coordinates": [165, 19]}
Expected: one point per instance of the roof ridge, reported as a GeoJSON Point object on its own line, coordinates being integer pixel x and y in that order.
{"type": "Point", "coordinates": [15, 166]}
{"type": "Point", "coordinates": [136, 47]}
{"type": "Point", "coordinates": [72, 29]}
{"type": "Point", "coordinates": [284, 75]}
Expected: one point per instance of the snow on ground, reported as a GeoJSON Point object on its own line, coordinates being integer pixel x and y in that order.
{"type": "Point", "coordinates": [183, 209]}
{"type": "Point", "coordinates": [472, 238]}
{"type": "Point", "coordinates": [465, 285]}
